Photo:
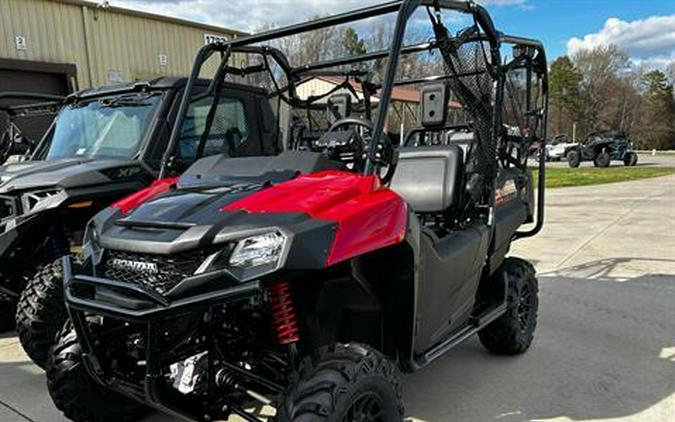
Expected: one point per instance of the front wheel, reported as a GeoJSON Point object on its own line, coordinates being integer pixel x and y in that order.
{"type": "Point", "coordinates": [76, 394]}
{"type": "Point", "coordinates": [41, 312]}
{"type": "Point", "coordinates": [344, 383]}
{"type": "Point", "coordinates": [602, 159]}
{"type": "Point", "coordinates": [573, 159]}
{"type": "Point", "coordinates": [630, 159]}
{"type": "Point", "coordinates": [513, 332]}
{"type": "Point", "coordinates": [7, 310]}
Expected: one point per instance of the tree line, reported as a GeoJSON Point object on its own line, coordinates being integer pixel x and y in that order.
{"type": "Point", "coordinates": [592, 90]}
{"type": "Point", "coordinates": [601, 89]}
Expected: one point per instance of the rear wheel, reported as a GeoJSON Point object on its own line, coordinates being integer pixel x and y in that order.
{"type": "Point", "coordinates": [512, 333]}
{"type": "Point", "coordinates": [573, 158]}
{"type": "Point", "coordinates": [630, 159]}
{"type": "Point", "coordinates": [602, 159]}
{"type": "Point", "coordinates": [345, 383]}
{"type": "Point", "coordinates": [41, 312]}
{"type": "Point", "coordinates": [76, 394]}
{"type": "Point", "coordinates": [7, 310]}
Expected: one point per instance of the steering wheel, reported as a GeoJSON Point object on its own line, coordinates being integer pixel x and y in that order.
{"type": "Point", "coordinates": [384, 155]}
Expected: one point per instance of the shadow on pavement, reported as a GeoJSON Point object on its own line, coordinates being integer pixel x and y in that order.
{"type": "Point", "coordinates": [611, 269]}
{"type": "Point", "coordinates": [604, 349]}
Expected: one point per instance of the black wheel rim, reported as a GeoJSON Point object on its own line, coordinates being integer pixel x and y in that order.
{"type": "Point", "coordinates": [524, 307]}
{"type": "Point", "coordinates": [368, 407]}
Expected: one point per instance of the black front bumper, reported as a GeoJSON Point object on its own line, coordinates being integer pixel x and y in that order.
{"type": "Point", "coordinates": [147, 308]}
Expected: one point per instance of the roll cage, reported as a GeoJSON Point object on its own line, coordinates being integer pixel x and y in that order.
{"type": "Point", "coordinates": [29, 105]}
{"type": "Point", "coordinates": [528, 55]}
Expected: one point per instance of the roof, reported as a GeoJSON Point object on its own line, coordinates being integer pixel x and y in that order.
{"type": "Point", "coordinates": [406, 95]}
{"type": "Point", "coordinates": [154, 16]}
{"type": "Point", "coordinates": [398, 93]}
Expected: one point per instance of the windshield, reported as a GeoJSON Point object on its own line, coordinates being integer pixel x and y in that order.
{"type": "Point", "coordinates": [112, 127]}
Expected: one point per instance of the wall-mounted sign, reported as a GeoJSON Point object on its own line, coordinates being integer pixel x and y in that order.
{"type": "Point", "coordinates": [214, 39]}
{"type": "Point", "coordinates": [163, 60]}
{"type": "Point", "coordinates": [21, 42]}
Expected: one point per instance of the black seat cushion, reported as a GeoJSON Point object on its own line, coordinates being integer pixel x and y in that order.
{"type": "Point", "coordinates": [429, 178]}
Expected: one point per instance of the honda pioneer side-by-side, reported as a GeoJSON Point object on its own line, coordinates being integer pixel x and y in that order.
{"type": "Point", "coordinates": [298, 286]}
{"type": "Point", "coordinates": [105, 144]}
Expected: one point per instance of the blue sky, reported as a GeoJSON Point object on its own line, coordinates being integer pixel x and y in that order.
{"type": "Point", "coordinates": [645, 29]}
{"type": "Point", "coordinates": [557, 21]}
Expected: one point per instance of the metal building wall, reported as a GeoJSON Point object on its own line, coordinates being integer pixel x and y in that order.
{"type": "Point", "coordinates": [104, 44]}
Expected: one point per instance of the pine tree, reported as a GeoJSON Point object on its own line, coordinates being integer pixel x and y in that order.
{"type": "Point", "coordinates": [658, 122]}
{"type": "Point", "coordinates": [352, 44]}
{"type": "Point", "coordinates": [564, 80]}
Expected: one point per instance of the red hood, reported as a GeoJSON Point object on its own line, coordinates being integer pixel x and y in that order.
{"type": "Point", "coordinates": [369, 215]}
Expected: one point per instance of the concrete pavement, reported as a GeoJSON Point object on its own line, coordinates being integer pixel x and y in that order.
{"type": "Point", "coordinates": [605, 344]}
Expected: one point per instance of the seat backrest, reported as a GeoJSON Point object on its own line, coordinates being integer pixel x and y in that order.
{"type": "Point", "coordinates": [429, 178]}
{"type": "Point", "coordinates": [461, 138]}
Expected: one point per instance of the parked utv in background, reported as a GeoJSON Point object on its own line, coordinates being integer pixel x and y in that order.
{"type": "Point", "coordinates": [558, 147]}
{"type": "Point", "coordinates": [18, 110]}
{"type": "Point", "coordinates": [105, 144]}
{"type": "Point", "coordinates": [602, 148]}
{"type": "Point", "coordinates": [307, 280]}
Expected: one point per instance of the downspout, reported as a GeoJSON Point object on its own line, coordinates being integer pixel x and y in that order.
{"type": "Point", "coordinates": [87, 44]}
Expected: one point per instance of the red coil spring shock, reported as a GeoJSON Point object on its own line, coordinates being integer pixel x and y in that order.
{"type": "Point", "coordinates": [284, 317]}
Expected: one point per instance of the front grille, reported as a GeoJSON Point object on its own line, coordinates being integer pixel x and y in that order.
{"type": "Point", "coordinates": [158, 272]}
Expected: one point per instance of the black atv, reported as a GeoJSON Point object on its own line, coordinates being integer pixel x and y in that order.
{"type": "Point", "coordinates": [105, 144]}
{"type": "Point", "coordinates": [25, 114]}
{"type": "Point", "coordinates": [307, 280]}
{"type": "Point", "coordinates": [602, 148]}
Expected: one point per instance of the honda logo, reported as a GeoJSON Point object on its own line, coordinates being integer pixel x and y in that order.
{"type": "Point", "coordinates": [135, 266]}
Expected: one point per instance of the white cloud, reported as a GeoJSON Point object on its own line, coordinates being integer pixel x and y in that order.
{"type": "Point", "coordinates": [249, 15]}
{"type": "Point", "coordinates": [650, 40]}
{"type": "Point", "coordinates": [245, 15]}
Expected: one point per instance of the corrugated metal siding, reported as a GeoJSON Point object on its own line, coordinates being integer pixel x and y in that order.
{"type": "Point", "coordinates": [124, 44]}
{"type": "Point", "coordinates": [53, 32]}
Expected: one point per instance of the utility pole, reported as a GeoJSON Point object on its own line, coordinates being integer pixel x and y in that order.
{"type": "Point", "coordinates": [574, 132]}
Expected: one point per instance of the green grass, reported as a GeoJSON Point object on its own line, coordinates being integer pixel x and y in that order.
{"type": "Point", "coordinates": [658, 153]}
{"type": "Point", "coordinates": [559, 177]}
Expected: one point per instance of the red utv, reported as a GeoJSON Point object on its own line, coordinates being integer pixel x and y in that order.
{"type": "Point", "coordinates": [306, 281]}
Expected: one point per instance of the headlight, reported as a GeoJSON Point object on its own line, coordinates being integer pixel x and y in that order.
{"type": "Point", "coordinates": [41, 200]}
{"type": "Point", "coordinates": [264, 249]}
{"type": "Point", "coordinates": [249, 257]}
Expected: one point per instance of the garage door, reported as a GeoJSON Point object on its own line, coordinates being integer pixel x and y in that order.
{"type": "Point", "coordinates": [30, 76]}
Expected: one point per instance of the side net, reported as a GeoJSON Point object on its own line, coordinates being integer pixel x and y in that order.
{"type": "Point", "coordinates": [467, 65]}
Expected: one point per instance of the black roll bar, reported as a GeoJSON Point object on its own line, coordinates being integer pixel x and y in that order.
{"type": "Point", "coordinates": [37, 100]}
{"type": "Point", "coordinates": [541, 179]}
{"type": "Point", "coordinates": [405, 9]}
